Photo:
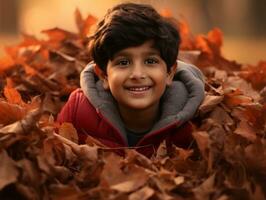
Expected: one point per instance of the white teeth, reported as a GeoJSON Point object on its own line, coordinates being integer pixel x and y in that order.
{"type": "Point", "coordinates": [139, 89]}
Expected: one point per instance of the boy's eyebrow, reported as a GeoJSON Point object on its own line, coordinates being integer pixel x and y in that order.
{"type": "Point", "coordinates": [126, 54]}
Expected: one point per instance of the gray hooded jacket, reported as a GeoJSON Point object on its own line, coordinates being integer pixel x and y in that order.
{"type": "Point", "coordinates": [178, 104]}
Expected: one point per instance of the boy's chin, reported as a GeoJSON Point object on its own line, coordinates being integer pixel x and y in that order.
{"type": "Point", "coordinates": [139, 106]}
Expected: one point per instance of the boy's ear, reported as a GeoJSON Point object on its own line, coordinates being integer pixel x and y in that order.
{"type": "Point", "coordinates": [171, 74]}
{"type": "Point", "coordinates": [102, 76]}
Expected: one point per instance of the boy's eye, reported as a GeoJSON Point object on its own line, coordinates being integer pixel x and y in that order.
{"type": "Point", "coordinates": [150, 61]}
{"type": "Point", "coordinates": [123, 62]}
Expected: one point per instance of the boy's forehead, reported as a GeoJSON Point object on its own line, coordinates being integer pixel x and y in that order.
{"type": "Point", "coordinates": [147, 48]}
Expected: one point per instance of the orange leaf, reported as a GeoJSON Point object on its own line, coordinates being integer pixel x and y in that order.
{"type": "Point", "coordinates": [29, 70]}
{"type": "Point", "coordinates": [232, 101]}
{"type": "Point", "coordinates": [11, 94]}
{"type": "Point", "coordinates": [234, 97]}
{"type": "Point", "coordinates": [57, 34]}
{"type": "Point", "coordinates": [10, 113]}
{"type": "Point", "coordinates": [29, 43]}
{"type": "Point", "coordinates": [5, 63]}
{"type": "Point", "coordinates": [202, 44]}
{"type": "Point", "coordinates": [215, 36]}
{"type": "Point", "coordinates": [79, 20]}
{"type": "Point", "coordinates": [187, 39]}
{"type": "Point", "coordinates": [90, 20]}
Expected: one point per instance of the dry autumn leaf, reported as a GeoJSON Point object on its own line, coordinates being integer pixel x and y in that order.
{"type": "Point", "coordinates": [142, 194]}
{"type": "Point", "coordinates": [10, 113]}
{"type": "Point", "coordinates": [8, 170]}
{"type": "Point", "coordinates": [68, 131]}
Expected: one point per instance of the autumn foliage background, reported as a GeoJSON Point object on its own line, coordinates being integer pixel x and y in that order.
{"type": "Point", "coordinates": [227, 159]}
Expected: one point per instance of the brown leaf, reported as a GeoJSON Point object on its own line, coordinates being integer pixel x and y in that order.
{"type": "Point", "coordinates": [64, 192]}
{"type": "Point", "coordinates": [164, 180]}
{"type": "Point", "coordinates": [162, 151]}
{"type": "Point", "coordinates": [255, 75]}
{"type": "Point", "coordinates": [246, 131]}
{"type": "Point", "coordinates": [221, 117]}
{"type": "Point", "coordinates": [258, 194]}
{"type": "Point", "coordinates": [30, 174]}
{"type": "Point", "coordinates": [179, 180]}
{"type": "Point", "coordinates": [68, 131]}
{"type": "Point", "coordinates": [124, 180]}
{"type": "Point", "coordinates": [86, 152]}
{"type": "Point", "coordinates": [202, 139]}
{"type": "Point", "coordinates": [8, 170]}
{"type": "Point", "coordinates": [133, 157]}
{"type": "Point", "coordinates": [255, 157]}
{"type": "Point", "coordinates": [127, 186]}
{"type": "Point", "coordinates": [25, 125]}
{"type": "Point", "coordinates": [181, 154]}
{"type": "Point", "coordinates": [234, 97]}
{"type": "Point", "coordinates": [26, 191]}
{"type": "Point", "coordinates": [93, 141]}
{"type": "Point", "coordinates": [242, 85]}
{"type": "Point", "coordinates": [209, 103]}
{"type": "Point", "coordinates": [142, 194]}
{"type": "Point", "coordinates": [263, 96]}
{"type": "Point", "coordinates": [236, 176]}
{"type": "Point", "coordinates": [206, 189]}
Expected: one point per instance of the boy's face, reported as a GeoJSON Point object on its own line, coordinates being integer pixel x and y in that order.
{"type": "Point", "coordinates": [137, 77]}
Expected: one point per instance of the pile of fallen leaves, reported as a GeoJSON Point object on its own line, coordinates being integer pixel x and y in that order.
{"type": "Point", "coordinates": [226, 161]}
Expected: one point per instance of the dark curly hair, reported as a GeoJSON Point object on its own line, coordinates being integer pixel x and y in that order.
{"type": "Point", "coordinates": [129, 24]}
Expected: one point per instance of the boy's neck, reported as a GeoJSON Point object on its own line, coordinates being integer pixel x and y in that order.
{"type": "Point", "coordinates": [139, 120]}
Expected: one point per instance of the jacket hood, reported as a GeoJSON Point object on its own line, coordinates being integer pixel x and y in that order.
{"type": "Point", "coordinates": [178, 104]}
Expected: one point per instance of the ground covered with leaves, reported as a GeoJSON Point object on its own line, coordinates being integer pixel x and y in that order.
{"type": "Point", "coordinates": [226, 161]}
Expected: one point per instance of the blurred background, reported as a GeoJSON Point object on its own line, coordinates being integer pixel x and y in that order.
{"type": "Point", "coordinates": [243, 22]}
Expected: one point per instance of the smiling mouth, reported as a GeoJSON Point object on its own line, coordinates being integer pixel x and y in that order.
{"type": "Point", "coordinates": [138, 89]}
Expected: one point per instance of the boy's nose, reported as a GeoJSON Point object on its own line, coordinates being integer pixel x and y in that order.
{"type": "Point", "coordinates": [137, 72]}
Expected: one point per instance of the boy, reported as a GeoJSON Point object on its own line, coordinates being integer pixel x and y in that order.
{"type": "Point", "coordinates": [135, 93]}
